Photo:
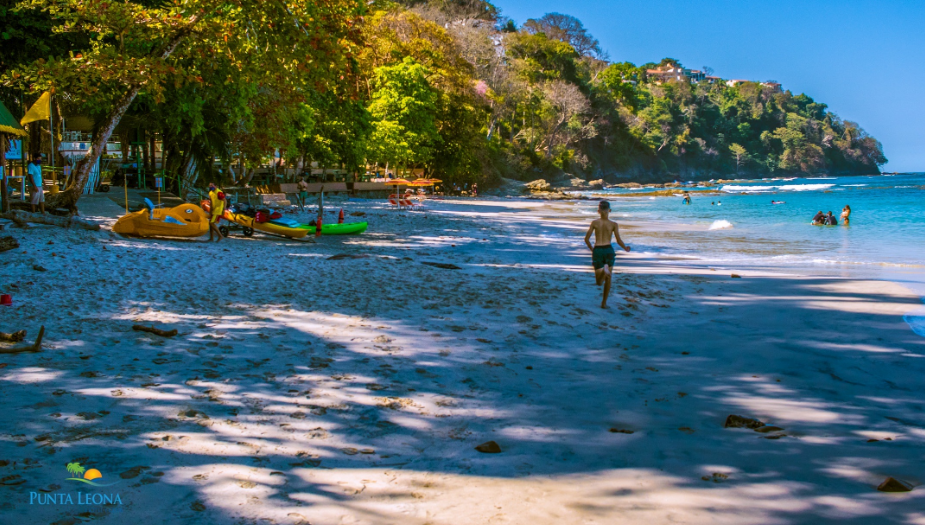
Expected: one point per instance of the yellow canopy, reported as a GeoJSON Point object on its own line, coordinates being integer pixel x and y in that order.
{"type": "Point", "coordinates": [41, 110]}
{"type": "Point", "coordinates": [425, 182]}
{"type": "Point", "coordinates": [8, 123]}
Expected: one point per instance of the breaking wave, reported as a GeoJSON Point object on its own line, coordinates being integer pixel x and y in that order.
{"type": "Point", "coordinates": [786, 187]}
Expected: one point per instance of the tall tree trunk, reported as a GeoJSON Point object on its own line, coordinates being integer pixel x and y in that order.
{"type": "Point", "coordinates": [185, 167]}
{"type": "Point", "coordinates": [250, 176]}
{"type": "Point", "coordinates": [68, 198]}
{"type": "Point", "coordinates": [5, 176]}
{"type": "Point", "coordinates": [152, 148]}
{"type": "Point", "coordinates": [145, 156]}
{"type": "Point", "coordinates": [35, 140]}
{"type": "Point", "coordinates": [552, 137]}
{"type": "Point", "coordinates": [125, 144]}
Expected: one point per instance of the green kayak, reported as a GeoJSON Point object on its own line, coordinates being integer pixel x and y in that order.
{"type": "Point", "coordinates": [349, 228]}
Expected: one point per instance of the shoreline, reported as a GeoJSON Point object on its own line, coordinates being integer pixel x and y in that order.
{"type": "Point", "coordinates": [665, 189]}
{"type": "Point", "coordinates": [355, 390]}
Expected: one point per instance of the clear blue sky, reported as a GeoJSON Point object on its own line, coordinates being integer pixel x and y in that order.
{"type": "Point", "coordinates": [864, 58]}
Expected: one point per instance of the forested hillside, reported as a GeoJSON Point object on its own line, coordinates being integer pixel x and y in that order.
{"type": "Point", "coordinates": [450, 86]}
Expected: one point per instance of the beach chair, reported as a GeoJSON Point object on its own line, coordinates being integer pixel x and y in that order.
{"type": "Point", "coordinates": [399, 201]}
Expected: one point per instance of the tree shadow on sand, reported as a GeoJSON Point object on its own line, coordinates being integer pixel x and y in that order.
{"type": "Point", "coordinates": [313, 392]}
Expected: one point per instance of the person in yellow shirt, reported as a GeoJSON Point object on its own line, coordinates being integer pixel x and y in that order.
{"type": "Point", "coordinates": [217, 204]}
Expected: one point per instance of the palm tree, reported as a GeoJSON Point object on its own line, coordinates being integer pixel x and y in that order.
{"type": "Point", "coordinates": [75, 469]}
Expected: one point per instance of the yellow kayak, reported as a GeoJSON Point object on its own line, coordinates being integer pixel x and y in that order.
{"type": "Point", "coordinates": [265, 227]}
{"type": "Point", "coordinates": [186, 220]}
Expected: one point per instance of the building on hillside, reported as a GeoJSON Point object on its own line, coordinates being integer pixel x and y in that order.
{"type": "Point", "coordinates": [775, 86]}
{"type": "Point", "coordinates": [695, 75]}
{"type": "Point", "coordinates": [672, 73]}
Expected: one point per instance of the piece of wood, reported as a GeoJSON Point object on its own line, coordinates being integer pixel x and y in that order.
{"type": "Point", "coordinates": [4, 204]}
{"type": "Point", "coordinates": [23, 349]}
{"type": "Point", "coordinates": [15, 337]}
{"type": "Point", "coordinates": [445, 266]}
{"type": "Point", "coordinates": [155, 331]}
{"type": "Point", "coordinates": [22, 218]}
{"type": "Point", "coordinates": [8, 243]}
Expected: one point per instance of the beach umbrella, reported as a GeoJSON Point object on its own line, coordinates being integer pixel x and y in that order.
{"type": "Point", "coordinates": [397, 183]}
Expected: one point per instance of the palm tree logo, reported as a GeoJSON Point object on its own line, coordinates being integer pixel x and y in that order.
{"type": "Point", "coordinates": [79, 473]}
{"type": "Point", "coordinates": [75, 469]}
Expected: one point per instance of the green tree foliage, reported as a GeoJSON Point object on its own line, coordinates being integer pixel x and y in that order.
{"type": "Point", "coordinates": [153, 47]}
{"type": "Point", "coordinates": [568, 29]}
{"type": "Point", "coordinates": [404, 108]}
{"type": "Point", "coordinates": [449, 86]}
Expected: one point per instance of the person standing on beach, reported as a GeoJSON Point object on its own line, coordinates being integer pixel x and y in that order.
{"type": "Point", "coordinates": [602, 253]}
{"type": "Point", "coordinates": [35, 183]}
{"type": "Point", "coordinates": [303, 192]}
{"type": "Point", "coordinates": [217, 208]}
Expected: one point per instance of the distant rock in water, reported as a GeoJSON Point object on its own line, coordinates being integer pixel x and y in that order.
{"type": "Point", "coordinates": [894, 485]}
{"type": "Point", "coordinates": [734, 421]}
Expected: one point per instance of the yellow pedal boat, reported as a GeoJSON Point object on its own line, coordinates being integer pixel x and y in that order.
{"type": "Point", "coordinates": [186, 220]}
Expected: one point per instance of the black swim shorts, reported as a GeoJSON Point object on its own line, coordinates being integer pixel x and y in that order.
{"type": "Point", "coordinates": [602, 255]}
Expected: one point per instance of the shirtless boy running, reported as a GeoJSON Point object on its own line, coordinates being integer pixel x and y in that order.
{"type": "Point", "coordinates": [602, 253]}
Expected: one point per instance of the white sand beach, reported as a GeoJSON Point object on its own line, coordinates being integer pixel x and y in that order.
{"type": "Point", "coordinates": [354, 390]}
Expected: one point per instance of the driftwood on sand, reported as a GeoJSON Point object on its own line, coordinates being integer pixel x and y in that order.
{"type": "Point", "coordinates": [22, 349]}
{"type": "Point", "coordinates": [155, 331]}
{"type": "Point", "coordinates": [8, 243]}
{"type": "Point", "coordinates": [14, 337]}
{"type": "Point", "coordinates": [23, 218]}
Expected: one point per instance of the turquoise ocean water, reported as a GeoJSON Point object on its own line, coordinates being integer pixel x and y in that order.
{"type": "Point", "coordinates": [736, 225]}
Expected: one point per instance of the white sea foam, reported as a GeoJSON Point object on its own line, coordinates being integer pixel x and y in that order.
{"type": "Point", "coordinates": [785, 187]}
{"type": "Point", "coordinates": [853, 185]}
{"type": "Point", "coordinates": [721, 225]}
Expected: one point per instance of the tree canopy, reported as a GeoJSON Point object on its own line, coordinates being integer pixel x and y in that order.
{"type": "Point", "coordinates": [448, 86]}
